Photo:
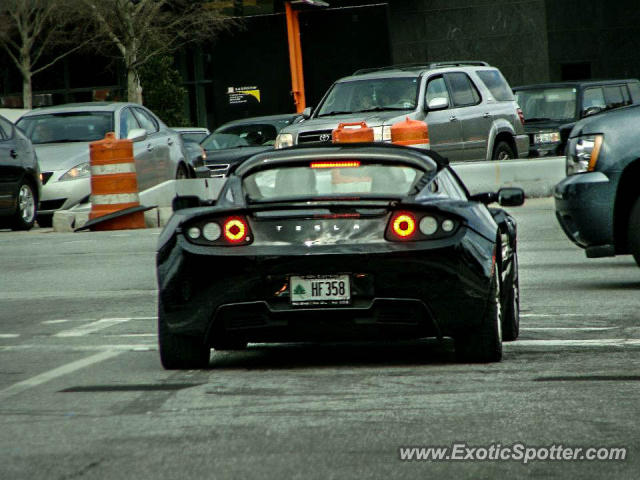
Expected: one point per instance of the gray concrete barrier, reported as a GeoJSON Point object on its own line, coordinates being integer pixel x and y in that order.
{"type": "Point", "coordinates": [536, 176]}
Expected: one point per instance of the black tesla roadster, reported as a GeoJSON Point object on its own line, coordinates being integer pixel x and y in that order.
{"type": "Point", "coordinates": [344, 242]}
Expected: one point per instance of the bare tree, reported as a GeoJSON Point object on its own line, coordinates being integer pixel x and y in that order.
{"type": "Point", "coordinates": [36, 34]}
{"type": "Point", "coordinates": [143, 29]}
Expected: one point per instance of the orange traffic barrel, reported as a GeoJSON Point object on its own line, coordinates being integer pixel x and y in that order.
{"type": "Point", "coordinates": [410, 132]}
{"type": "Point", "coordinates": [114, 185]}
{"type": "Point", "coordinates": [352, 133]}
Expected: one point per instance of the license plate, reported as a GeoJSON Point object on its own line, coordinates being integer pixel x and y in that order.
{"type": "Point", "coordinates": [320, 289]}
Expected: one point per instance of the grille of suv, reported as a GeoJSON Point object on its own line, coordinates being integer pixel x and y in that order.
{"type": "Point", "coordinates": [315, 137]}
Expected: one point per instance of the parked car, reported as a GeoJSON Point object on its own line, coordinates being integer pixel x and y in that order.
{"type": "Point", "coordinates": [552, 109]}
{"type": "Point", "coordinates": [196, 155]}
{"type": "Point", "coordinates": [235, 141]}
{"type": "Point", "coordinates": [598, 204]}
{"type": "Point", "coordinates": [20, 186]}
{"type": "Point", "coordinates": [421, 257]}
{"type": "Point", "coordinates": [61, 136]}
{"type": "Point", "coordinates": [469, 107]}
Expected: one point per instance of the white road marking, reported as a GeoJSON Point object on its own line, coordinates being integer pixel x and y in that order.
{"type": "Point", "coordinates": [602, 342]}
{"type": "Point", "coordinates": [54, 322]}
{"type": "Point", "coordinates": [80, 348]}
{"type": "Point", "coordinates": [83, 330]}
{"type": "Point", "coordinates": [568, 329]}
{"type": "Point", "coordinates": [134, 335]}
{"type": "Point", "coordinates": [9, 335]}
{"type": "Point", "coordinates": [552, 315]}
{"type": "Point", "coordinates": [20, 387]}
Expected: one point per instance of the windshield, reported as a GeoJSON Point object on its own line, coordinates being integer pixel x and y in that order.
{"type": "Point", "coordinates": [67, 127]}
{"type": "Point", "coordinates": [320, 179]}
{"type": "Point", "coordinates": [371, 95]}
{"type": "Point", "coordinates": [548, 104]}
{"type": "Point", "coordinates": [195, 137]}
{"type": "Point", "coordinates": [247, 135]}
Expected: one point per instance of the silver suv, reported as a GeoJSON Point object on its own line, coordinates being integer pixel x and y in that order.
{"type": "Point", "coordinates": [469, 107]}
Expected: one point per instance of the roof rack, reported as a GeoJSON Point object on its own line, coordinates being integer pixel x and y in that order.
{"type": "Point", "coordinates": [423, 66]}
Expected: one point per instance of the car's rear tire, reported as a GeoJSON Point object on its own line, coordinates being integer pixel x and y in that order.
{"type": "Point", "coordinates": [182, 173]}
{"type": "Point", "coordinates": [485, 344]}
{"type": "Point", "coordinates": [26, 208]}
{"type": "Point", "coordinates": [634, 231]}
{"type": "Point", "coordinates": [44, 221]}
{"type": "Point", "coordinates": [503, 151]}
{"type": "Point", "coordinates": [178, 352]}
{"type": "Point", "coordinates": [511, 310]}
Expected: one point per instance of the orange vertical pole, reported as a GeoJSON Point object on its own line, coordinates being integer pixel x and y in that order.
{"type": "Point", "coordinates": [295, 57]}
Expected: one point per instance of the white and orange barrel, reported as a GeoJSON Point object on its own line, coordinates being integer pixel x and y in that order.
{"type": "Point", "coordinates": [355, 132]}
{"type": "Point", "coordinates": [114, 185]}
{"type": "Point", "coordinates": [410, 133]}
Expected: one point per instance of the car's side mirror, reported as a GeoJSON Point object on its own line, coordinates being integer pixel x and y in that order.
{"type": "Point", "coordinates": [137, 134]}
{"type": "Point", "coordinates": [438, 103]}
{"type": "Point", "coordinates": [511, 197]}
{"type": "Point", "coordinates": [591, 111]}
{"type": "Point", "coordinates": [306, 113]}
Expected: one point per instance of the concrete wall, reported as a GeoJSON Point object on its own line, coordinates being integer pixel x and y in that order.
{"type": "Point", "coordinates": [511, 35]}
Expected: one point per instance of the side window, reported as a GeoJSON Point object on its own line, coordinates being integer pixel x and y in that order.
{"type": "Point", "coordinates": [613, 96]}
{"type": "Point", "coordinates": [437, 89]}
{"type": "Point", "coordinates": [593, 97]}
{"type": "Point", "coordinates": [497, 85]}
{"type": "Point", "coordinates": [626, 98]}
{"type": "Point", "coordinates": [449, 184]}
{"type": "Point", "coordinates": [634, 89]}
{"type": "Point", "coordinates": [127, 122]}
{"type": "Point", "coordinates": [463, 91]}
{"type": "Point", "coordinates": [6, 129]}
{"type": "Point", "coordinates": [146, 121]}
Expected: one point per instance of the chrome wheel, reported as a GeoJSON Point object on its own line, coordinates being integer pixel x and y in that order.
{"type": "Point", "coordinates": [26, 204]}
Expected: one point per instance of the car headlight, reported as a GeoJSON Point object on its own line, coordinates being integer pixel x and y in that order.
{"type": "Point", "coordinates": [549, 137]}
{"type": "Point", "coordinates": [82, 170]}
{"type": "Point", "coordinates": [583, 153]}
{"type": "Point", "coordinates": [382, 134]}
{"type": "Point", "coordinates": [284, 140]}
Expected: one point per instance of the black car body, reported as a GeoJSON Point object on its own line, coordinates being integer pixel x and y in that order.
{"type": "Point", "coordinates": [552, 109]}
{"type": "Point", "coordinates": [20, 185]}
{"type": "Point", "coordinates": [598, 204]}
{"type": "Point", "coordinates": [234, 142]}
{"type": "Point", "coordinates": [244, 270]}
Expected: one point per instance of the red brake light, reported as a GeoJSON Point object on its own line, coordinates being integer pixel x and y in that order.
{"type": "Point", "coordinates": [341, 164]}
{"type": "Point", "coordinates": [235, 229]}
{"type": "Point", "coordinates": [403, 225]}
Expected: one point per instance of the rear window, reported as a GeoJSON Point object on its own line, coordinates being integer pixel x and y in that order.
{"type": "Point", "coordinates": [496, 84]}
{"type": "Point", "coordinates": [67, 127]}
{"type": "Point", "coordinates": [325, 179]}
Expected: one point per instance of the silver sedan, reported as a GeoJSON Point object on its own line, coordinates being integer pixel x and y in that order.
{"type": "Point", "coordinates": [61, 137]}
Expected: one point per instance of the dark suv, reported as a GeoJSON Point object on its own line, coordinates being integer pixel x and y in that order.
{"type": "Point", "coordinates": [598, 204]}
{"type": "Point", "coordinates": [469, 108]}
{"type": "Point", "coordinates": [552, 109]}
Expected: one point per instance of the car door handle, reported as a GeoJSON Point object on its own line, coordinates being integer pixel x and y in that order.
{"type": "Point", "coordinates": [149, 147]}
{"type": "Point", "coordinates": [13, 153]}
{"type": "Point", "coordinates": [453, 118]}
{"type": "Point", "coordinates": [169, 141]}
{"type": "Point", "coordinates": [486, 115]}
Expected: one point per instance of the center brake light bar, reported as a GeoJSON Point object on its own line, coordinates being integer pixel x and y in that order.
{"type": "Point", "coordinates": [335, 164]}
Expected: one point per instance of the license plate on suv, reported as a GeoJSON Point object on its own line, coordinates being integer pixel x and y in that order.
{"type": "Point", "coordinates": [320, 289]}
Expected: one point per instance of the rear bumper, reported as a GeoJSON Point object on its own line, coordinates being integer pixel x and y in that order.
{"type": "Point", "coordinates": [395, 293]}
{"type": "Point", "coordinates": [584, 209]}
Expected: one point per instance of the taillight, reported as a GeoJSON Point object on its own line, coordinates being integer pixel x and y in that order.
{"type": "Point", "coordinates": [403, 225]}
{"type": "Point", "coordinates": [235, 229]}
{"type": "Point", "coordinates": [337, 164]}
{"type": "Point", "coordinates": [521, 116]}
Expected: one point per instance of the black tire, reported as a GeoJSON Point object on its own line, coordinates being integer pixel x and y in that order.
{"type": "Point", "coordinates": [182, 172]}
{"type": "Point", "coordinates": [26, 207]}
{"type": "Point", "coordinates": [44, 221]}
{"type": "Point", "coordinates": [485, 344]}
{"type": "Point", "coordinates": [503, 151]}
{"type": "Point", "coordinates": [634, 231]}
{"type": "Point", "coordinates": [511, 305]}
{"type": "Point", "coordinates": [178, 352]}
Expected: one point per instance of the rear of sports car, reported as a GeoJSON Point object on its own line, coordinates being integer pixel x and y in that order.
{"type": "Point", "coordinates": [321, 251]}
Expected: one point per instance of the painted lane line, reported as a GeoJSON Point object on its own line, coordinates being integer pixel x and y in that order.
{"type": "Point", "coordinates": [80, 348]}
{"type": "Point", "coordinates": [603, 342]}
{"type": "Point", "coordinates": [83, 330]}
{"type": "Point", "coordinates": [54, 322]}
{"type": "Point", "coordinates": [551, 315]}
{"type": "Point", "coordinates": [9, 335]}
{"type": "Point", "coordinates": [568, 329]}
{"type": "Point", "coordinates": [20, 387]}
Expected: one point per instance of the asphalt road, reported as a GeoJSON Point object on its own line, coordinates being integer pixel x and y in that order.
{"type": "Point", "coordinates": [83, 395]}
